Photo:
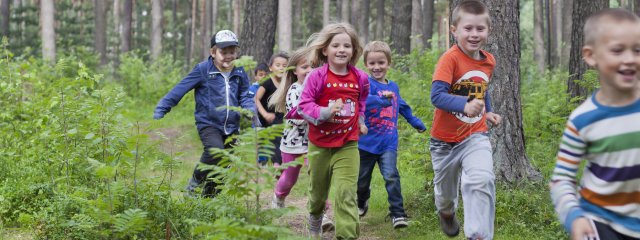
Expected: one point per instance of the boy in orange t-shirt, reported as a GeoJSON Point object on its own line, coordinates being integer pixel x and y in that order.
{"type": "Point", "coordinates": [459, 138]}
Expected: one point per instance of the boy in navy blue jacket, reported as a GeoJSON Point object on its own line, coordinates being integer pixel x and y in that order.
{"type": "Point", "coordinates": [380, 145]}
{"type": "Point", "coordinates": [216, 83]}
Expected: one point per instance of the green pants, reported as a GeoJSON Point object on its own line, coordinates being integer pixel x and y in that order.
{"type": "Point", "coordinates": [343, 163]}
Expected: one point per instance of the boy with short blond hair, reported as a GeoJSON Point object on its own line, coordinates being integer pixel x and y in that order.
{"type": "Point", "coordinates": [459, 135]}
{"type": "Point", "coordinates": [380, 145]}
{"type": "Point", "coordinates": [605, 131]}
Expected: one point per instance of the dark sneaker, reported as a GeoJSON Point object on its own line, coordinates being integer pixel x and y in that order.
{"type": "Point", "coordinates": [314, 227]}
{"type": "Point", "coordinates": [449, 224]}
{"type": "Point", "coordinates": [363, 208]}
{"type": "Point", "coordinates": [399, 220]}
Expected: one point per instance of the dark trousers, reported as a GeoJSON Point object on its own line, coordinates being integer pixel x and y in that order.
{"type": "Point", "coordinates": [608, 233]}
{"type": "Point", "coordinates": [211, 137]}
{"type": "Point", "coordinates": [387, 164]}
{"type": "Point", "coordinates": [277, 154]}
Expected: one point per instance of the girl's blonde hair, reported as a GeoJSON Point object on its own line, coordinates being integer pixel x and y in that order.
{"type": "Point", "coordinates": [278, 98]}
{"type": "Point", "coordinates": [321, 40]}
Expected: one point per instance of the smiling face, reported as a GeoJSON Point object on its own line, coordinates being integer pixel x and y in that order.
{"type": "Point", "coordinates": [339, 51]}
{"type": "Point", "coordinates": [260, 75]}
{"type": "Point", "coordinates": [224, 56]}
{"type": "Point", "coordinates": [616, 56]}
{"type": "Point", "coordinates": [278, 64]}
{"type": "Point", "coordinates": [471, 32]}
{"type": "Point", "coordinates": [377, 64]}
{"type": "Point", "coordinates": [302, 69]}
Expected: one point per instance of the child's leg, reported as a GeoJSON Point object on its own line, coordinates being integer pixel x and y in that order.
{"type": "Point", "coordinates": [289, 176]}
{"type": "Point", "coordinates": [306, 163]}
{"type": "Point", "coordinates": [367, 163]}
{"type": "Point", "coordinates": [319, 179]}
{"type": "Point", "coordinates": [211, 137]}
{"type": "Point", "coordinates": [391, 176]}
{"type": "Point", "coordinates": [277, 154]}
{"type": "Point", "coordinates": [478, 189]}
{"type": "Point", "coordinates": [345, 166]}
{"type": "Point", "coordinates": [446, 175]}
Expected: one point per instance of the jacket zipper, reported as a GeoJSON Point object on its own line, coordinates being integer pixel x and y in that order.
{"type": "Point", "coordinates": [226, 83]}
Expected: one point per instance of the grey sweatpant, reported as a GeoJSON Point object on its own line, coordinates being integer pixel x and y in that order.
{"type": "Point", "coordinates": [472, 162]}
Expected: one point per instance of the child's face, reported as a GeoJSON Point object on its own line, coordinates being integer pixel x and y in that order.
{"type": "Point", "coordinates": [472, 32]}
{"type": "Point", "coordinates": [377, 65]}
{"type": "Point", "coordinates": [260, 75]}
{"type": "Point", "coordinates": [302, 69]}
{"type": "Point", "coordinates": [339, 51]}
{"type": "Point", "coordinates": [277, 65]}
{"type": "Point", "coordinates": [616, 56]}
{"type": "Point", "coordinates": [225, 56]}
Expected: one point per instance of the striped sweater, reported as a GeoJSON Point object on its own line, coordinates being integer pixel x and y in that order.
{"type": "Point", "coordinates": [608, 138]}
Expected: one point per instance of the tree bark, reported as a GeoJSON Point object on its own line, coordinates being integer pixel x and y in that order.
{"type": "Point", "coordinates": [126, 25]}
{"type": "Point", "coordinates": [379, 20]}
{"type": "Point", "coordinates": [365, 13]}
{"type": "Point", "coordinates": [297, 15]}
{"type": "Point", "coordinates": [202, 54]}
{"type": "Point", "coordinates": [214, 17]}
{"type": "Point", "coordinates": [557, 27]}
{"type": "Point", "coordinates": [236, 16]}
{"type": "Point", "coordinates": [207, 30]}
{"type": "Point", "coordinates": [156, 30]}
{"type": "Point", "coordinates": [416, 23]}
{"type": "Point", "coordinates": [427, 31]}
{"type": "Point", "coordinates": [258, 33]}
{"type": "Point", "coordinates": [194, 18]}
{"type": "Point", "coordinates": [187, 34]}
{"type": "Point", "coordinates": [100, 31]}
{"type": "Point", "coordinates": [538, 36]}
{"type": "Point", "coordinates": [116, 30]}
{"type": "Point", "coordinates": [566, 31]}
{"type": "Point", "coordinates": [345, 10]}
{"type": "Point", "coordinates": [4, 21]}
{"type": "Point", "coordinates": [174, 16]}
{"type": "Point", "coordinates": [285, 35]}
{"type": "Point", "coordinates": [339, 10]}
{"type": "Point", "coordinates": [326, 12]}
{"type": "Point", "coordinates": [354, 13]}
{"type": "Point", "coordinates": [47, 13]}
{"type": "Point", "coordinates": [636, 7]}
{"type": "Point", "coordinates": [229, 11]}
{"type": "Point", "coordinates": [401, 27]}
{"type": "Point", "coordinates": [577, 67]}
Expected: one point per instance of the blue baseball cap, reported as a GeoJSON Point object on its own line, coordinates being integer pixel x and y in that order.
{"type": "Point", "coordinates": [224, 38]}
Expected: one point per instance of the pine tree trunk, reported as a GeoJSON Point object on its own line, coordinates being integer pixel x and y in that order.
{"type": "Point", "coordinates": [156, 30]}
{"type": "Point", "coordinates": [116, 30]}
{"type": "Point", "coordinates": [208, 30]}
{"type": "Point", "coordinates": [258, 33]}
{"type": "Point", "coordinates": [187, 34]}
{"type": "Point", "coordinates": [194, 19]}
{"type": "Point", "coordinates": [126, 25]}
{"type": "Point", "coordinates": [345, 10]}
{"type": "Point", "coordinates": [236, 16]}
{"type": "Point", "coordinates": [214, 17]}
{"type": "Point", "coordinates": [339, 10]}
{"type": "Point", "coordinates": [577, 67]}
{"type": "Point", "coordinates": [538, 36]}
{"type": "Point", "coordinates": [47, 12]}
{"type": "Point", "coordinates": [365, 13]}
{"type": "Point", "coordinates": [401, 27]}
{"type": "Point", "coordinates": [557, 35]}
{"type": "Point", "coordinates": [354, 13]}
{"type": "Point", "coordinates": [174, 16]}
{"type": "Point", "coordinates": [100, 31]}
{"type": "Point", "coordinates": [202, 54]}
{"type": "Point", "coordinates": [379, 20]}
{"type": "Point", "coordinates": [636, 7]}
{"type": "Point", "coordinates": [4, 20]}
{"type": "Point", "coordinates": [326, 12]}
{"type": "Point", "coordinates": [297, 15]}
{"type": "Point", "coordinates": [416, 23]}
{"type": "Point", "coordinates": [428, 23]}
{"type": "Point", "coordinates": [566, 31]}
{"type": "Point", "coordinates": [285, 35]}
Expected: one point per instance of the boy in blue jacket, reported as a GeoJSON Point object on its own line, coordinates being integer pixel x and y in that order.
{"type": "Point", "coordinates": [216, 83]}
{"type": "Point", "coordinates": [380, 145]}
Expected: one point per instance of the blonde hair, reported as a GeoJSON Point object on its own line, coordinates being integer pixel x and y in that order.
{"type": "Point", "coordinates": [596, 23]}
{"type": "Point", "coordinates": [321, 40]}
{"type": "Point", "coordinates": [377, 46]}
{"type": "Point", "coordinates": [471, 7]}
{"type": "Point", "coordinates": [278, 98]}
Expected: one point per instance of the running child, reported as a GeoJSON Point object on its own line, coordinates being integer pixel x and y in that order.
{"type": "Point", "coordinates": [380, 145]}
{"type": "Point", "coordinates": [216, 83]}
{"type": "Point", "coordinates": [459, 135]}
{"type": "Point", "coordinates": [261, 71]}
{"type": "Point", "coordinates": [268, 116]}
{"type": "Point", "coordinates": [333, 101]}
{"type": "Point", "coordinates": [295, 138]}
{"type": "Point", "coordinates": [604, 131]}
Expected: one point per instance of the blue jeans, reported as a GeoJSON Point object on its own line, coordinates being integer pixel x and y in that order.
{"type": "Point", "coordinates": [387, 164]}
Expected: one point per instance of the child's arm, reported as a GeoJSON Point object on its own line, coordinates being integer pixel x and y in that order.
{"type": "Point", "coordinates": [405, 111]}
{"type": "Point", "coordinates": [563, 181]}
{"type": "Point", "coordinates": [175, 95]}
{"type": "Point", "coordinates": [441, 98]}
{"type": "Point", "coordinates": [308, 108]}
{"type": "Point", "coordinates": [269, 117]}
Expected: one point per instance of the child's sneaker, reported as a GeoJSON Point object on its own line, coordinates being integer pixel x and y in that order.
{"type": "Point", "coordinates": [327, 223]}
{"type": "Point", "coordinates": [363, 208]}
{"type": "Point", "coordinates": [314, 227]}
{"type": "Point", "coordinates": [399, 220]}
{"type": "Point", "coordinates": [277, 203]}
{"type": "Point", "coordinates": [449, 224]}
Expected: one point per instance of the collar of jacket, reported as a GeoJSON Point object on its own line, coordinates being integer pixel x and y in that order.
{"type": "Point", "coordinates": [236, 71]}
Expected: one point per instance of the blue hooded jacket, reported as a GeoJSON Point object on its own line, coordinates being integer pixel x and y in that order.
{"type": "Point", "coordinates": [212, 90]}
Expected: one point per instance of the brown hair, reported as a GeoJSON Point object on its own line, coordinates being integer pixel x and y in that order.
{"type": "Point", "coordinates": [472, 7]}
{"type": "Point", "coordinates": [321, 40]}
{"type": "Point", "coordinates": [278, 98]}
{"type": "Point", "coordinates": [377, 46]}
{"type": "Point", "coordinates": [595, 23]}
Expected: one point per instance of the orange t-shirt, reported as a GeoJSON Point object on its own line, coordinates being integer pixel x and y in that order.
{"type": "Point", "coordinates": [467, 77]}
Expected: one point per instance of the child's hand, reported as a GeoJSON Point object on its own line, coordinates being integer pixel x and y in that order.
{"type": "Point", "coordinates": [474, 108]}
{"type": "Point", "coordinates": [362, 129]}
{"type": "Point", "coordinates": [269, 117]}
{"type": "Point", "coordinates": [495, 119]}
{"type": "Point", "coordinates": [420, 130]}
{"type": "Point", "coordinates": [387, 94]}
{"type": "Point", "coordinates": [581, 228]}
{"type": "Point", "coordinates": [337, 106]}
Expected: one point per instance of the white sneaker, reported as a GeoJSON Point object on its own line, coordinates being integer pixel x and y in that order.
{"type": "Point", "coordinates": [277, 203]}
{"type": "Point", "coordinates": [327, 223]}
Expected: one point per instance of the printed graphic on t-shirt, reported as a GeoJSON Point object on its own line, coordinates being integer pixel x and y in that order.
{"type": "Point", "coordinates": [473, 85]}
{"type": "Point", "coordinates": [384, 124]}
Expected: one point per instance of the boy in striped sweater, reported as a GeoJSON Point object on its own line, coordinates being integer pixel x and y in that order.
{"type": "Point", "coordinates": [605, 131]}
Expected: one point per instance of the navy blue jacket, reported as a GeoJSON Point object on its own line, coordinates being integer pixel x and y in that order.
{"type": "Point", "coordinates": [212, 90]}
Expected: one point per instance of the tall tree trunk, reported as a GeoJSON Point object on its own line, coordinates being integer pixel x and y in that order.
{"type": "Point", "coordinates": [566, 31]}
{"type": "Point", "coordinates": [427, 32]}
{"type": "Point", "coordinates": [636, 7]}
{"type": "Point", "coordinates": [126, 25]}
{"type": "Point", "coordinates": [401, 27]}
{"type": "Point", "coordinates": [202, 54]}
{"type": "Point", "coordinates": [187, 35]}
{"type": "Point", "coordinates": [312, 14]}
{"type": "Point", "coordinates": [207, 29]}
{"type": "Point", "coordinates": [100, 31]}
{"type": "Point", "coordinates": [214, 17]}
{"type": "Point", "coordinates": [354, 13]}
{"type": "Point", "coordinates": [365, 12]}
{"type": "Point", "coordinates": [285, 35]}
{"type": "Point", "coordinates": [297, 15]}
{"type": "Point", "coordinates": [116, 30]}
{"type": "Point", "coordinates": [557, 27]}
{"type": "Point", "coordinates": [229, 11]}
{"type": "Point", "coordinates": [538, 35]}
{"type": "Point", "coordinates": [174, 16]}
{"type": "Point", "coordinates": [194, 19]}
{"type": "Point", "coordinates": [47, 12]}
{"type": "Point", "coordinates": [379, 19]}
{"type": "Point", "coordinates": [416, 23]}
{"type": "Point", "coordinates": [156, 29]}
{"type": "Point", "coordinates": [345, 10]}
{"type": "Point", "coordinates": [326, 12]}
{"type": "Point", "coordinates": [236, 16]}
{"type": "Point", "coordinates": [577, 67]}
{"type": "Point", "coordinates": [4, 21]}
{"type": "Point", "coordinates": [339, 10]}
{"type": "Point", "coordinates": [258, 33]}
